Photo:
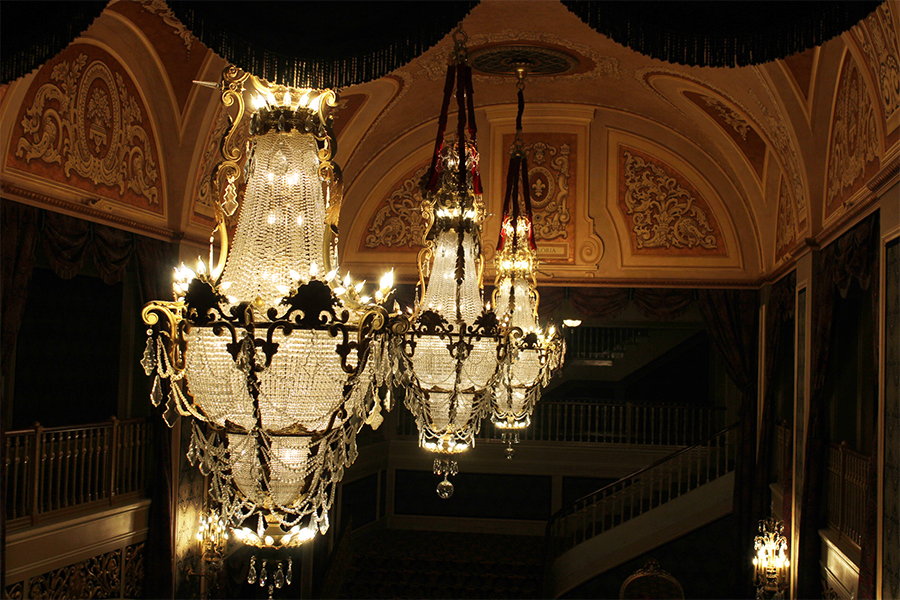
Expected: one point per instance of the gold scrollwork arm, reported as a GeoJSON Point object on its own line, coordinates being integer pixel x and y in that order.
{"type": "Point", "coordinates": [172, 313]}
{"type": "Point", "coordinates": [426, 255]}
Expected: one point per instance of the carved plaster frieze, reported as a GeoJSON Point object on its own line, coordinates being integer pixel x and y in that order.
{"type": "Point", "coordinates": [773, 124]}
{"type": "Point", "coordinates": [731, 118]}
{"type": "Point", "coordinates": [786, 229]}
{"type": "Point", "coordinates": [434, 67]}
{"type": "Point", "coordinates": [772, 127]}
{"type": "Point", "coordinates": [853, 144]}
{"type": "Point", "coordinates": [397, 222]}
{"type": "Point", "coordinates": [84, 124]}
{"type": "Point", "coordinates": [160, 8]}
{"type": "Point", "coordinates": [549, 175]}
{"type": "Point", "coordinates": [877, 38]}
{"type": "Point", "coordinates": [664, 214]}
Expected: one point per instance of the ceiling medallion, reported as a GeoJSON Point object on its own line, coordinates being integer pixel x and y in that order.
{"type": "Point", "coordinates": [506, 59]}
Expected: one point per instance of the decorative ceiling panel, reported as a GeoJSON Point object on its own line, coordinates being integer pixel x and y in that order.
{"type": "Point", "coordinates": [853, 144]}
{"type": "Point", "coordinates": [83, 124]}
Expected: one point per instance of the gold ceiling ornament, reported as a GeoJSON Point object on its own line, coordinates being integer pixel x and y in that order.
{"type": "Point", "coordinates": [535, 353]}
{"type": "Point", "coordinates": [455, 342]}
{"type": "Point", "coordinates": [277, 358]}
{"type": "Point", "coordinates": [770, 560]}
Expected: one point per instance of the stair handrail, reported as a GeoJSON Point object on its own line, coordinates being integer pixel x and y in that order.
{"type": "Point", "coordinates": [561, 512]}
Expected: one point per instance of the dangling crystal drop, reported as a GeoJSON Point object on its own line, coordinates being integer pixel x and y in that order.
{"type": "Point", "coordinates": [192, 453]}
{"type": "Point", "coordinates": [279, 577]}
{"type": "Point", "coordinates": [289, 576]}
{"type": "Point", "coordinates": [170, 416]}
{"type": "Point", "coordinates": [251, 574]}
{"type": "Point", "coordinates": [445, 489]}
{"type": "Point", "coordinates": [204, 466]}
{"type": "Point", "coordinates": [271, 591]}
{"type": "Point", "coordinates": [156, 395]}
{"type": "Point", "coordinates": [149, 359]}
{"type": "Point", "coordinates": [263, 575]}
{"type": "Point", "coordinates": [510, 451]}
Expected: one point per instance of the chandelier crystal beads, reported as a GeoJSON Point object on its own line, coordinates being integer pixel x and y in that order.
{"type": "Point", "coordinates": [277, 359]}
{"type": "Point", "coordinates": [455, 343]}
{"type": "Point", "coordinates": [536, 353]}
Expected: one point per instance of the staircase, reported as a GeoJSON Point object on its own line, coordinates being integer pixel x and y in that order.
{"type": "Point", "coordinates": [646, 509]}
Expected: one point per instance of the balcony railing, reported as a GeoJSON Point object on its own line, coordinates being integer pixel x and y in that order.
{"type": "Point", "coordinates": [53, 469]}
{"type": "Point", "coordinates": [847, 472]}
{"type": "Point", "coordinates": [642, 491]}
{"type": "Point", "coordinates": [608, 423]}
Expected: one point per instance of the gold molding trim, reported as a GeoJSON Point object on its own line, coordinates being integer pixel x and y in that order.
{"type": "Point", "coordinates": [36, 198]}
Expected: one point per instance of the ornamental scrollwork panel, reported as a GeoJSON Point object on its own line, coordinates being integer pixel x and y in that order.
{"type": "Point", "coordinates": [160, 8]}
{"type": "Point", "coordinates": [96, 577]}
{"type": "Point", "coordinates": [549, 175]}
{"type": "Point", "coordinates": [133, 570]}
{"type": "Point", "coordinates": [86, 120]}
{"type": "Point", "coordinates": [731, 118]}
{"type": "Point", "coordinates": [398, 221]}
{"type": "Point", "coordinates": [786, 231]}
{"type": "Point", "coordinates": [665, 212]}
{"type": "Point", "coordinates": [878, 39]}
{"type": "Point", "coordinates": [854, 137]}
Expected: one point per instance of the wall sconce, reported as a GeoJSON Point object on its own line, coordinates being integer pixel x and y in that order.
{"type": "Point", "coordinates": [770, 560]}
{"type": "Point", "coordinates": [212, 535]}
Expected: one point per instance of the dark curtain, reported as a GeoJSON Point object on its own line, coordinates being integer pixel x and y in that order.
{"type": "Point", "coordinates": [732, 318]}
{"type": "Point", "coordinates": [852, 257]}
{"type": "Point", "coordinates": [34, 32]}
{"type": "Point", "coordinates": [780, 308]}
{"type": "Point", "coordinates": [66, 242]}
{"type": "Point", "coordinates": [375, 37]}
{"type": "Point", "coordinates": [719, 34]}
{"type": "Point", "coordinates": [20, 234]}
{"type": "Point", "coordinates": [599, 303]}
{"type": "Point", "coordinates": [663, 304]}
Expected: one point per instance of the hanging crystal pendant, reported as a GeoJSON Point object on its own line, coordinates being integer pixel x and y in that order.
{"type": "Point", "coordinates": [289, 576]}
{"type": "Point", "coordinates": [279, 577]}
{"type": "Point", "coordinates": [251, 573]}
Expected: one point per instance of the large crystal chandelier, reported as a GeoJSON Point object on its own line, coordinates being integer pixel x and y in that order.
{"type": "Point", "coordinates": [536, 353]}
{"type": "Point", "coordinates": [455, 342]}
{"type": "Point", "coordinates": [277, 358]}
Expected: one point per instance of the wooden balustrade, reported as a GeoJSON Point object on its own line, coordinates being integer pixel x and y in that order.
{"type": "Point", "coordinates": [52, 469]}
{"type": "Point", "coordinates": [642, 491]}
{"type": "Point", "coordinates": [606, 423]}
{"type": "Point", "coordinates": [847, 472]}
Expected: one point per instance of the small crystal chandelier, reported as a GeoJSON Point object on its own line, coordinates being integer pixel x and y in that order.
{"type": "Point", "coordinates": [455, 342]}
{"type": "Point", "coordinates": [770, 561]}
{"type": "Point", "coordinates": [277, 359]}
{"type": "Point", "coordinates": [535, 353]}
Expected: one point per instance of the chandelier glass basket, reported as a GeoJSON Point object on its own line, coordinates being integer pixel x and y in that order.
{"type": "Point", "coordinates": [455, 342]}
{"type": "Point", "coordinates": [536, 353]}
{"type": "Point", "coordinates": [277, 359]}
